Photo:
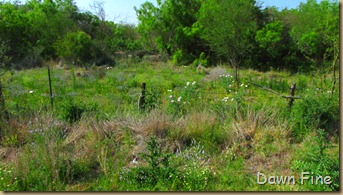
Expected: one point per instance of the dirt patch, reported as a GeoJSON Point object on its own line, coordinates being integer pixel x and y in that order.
{"type": "Point", "coordinates": [7, 154]}
{"type": "Point", "coordinates": [215, 73]}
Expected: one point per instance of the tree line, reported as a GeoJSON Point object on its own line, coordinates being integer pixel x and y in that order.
{"type": "Point", "coordinates": [40, 30]}
{"type": "Point", "coordinates": [239, 33]}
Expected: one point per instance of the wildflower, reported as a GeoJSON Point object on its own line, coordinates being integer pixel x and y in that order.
{"type": "Point", "coordinates": [179, 99]}
{"type": "Point", "coordinates": [31, 91]}
{"type": "Point", "coordinates": [172, 101]}
{"type": "Point", "coordinates": [188, 83]}
{"type": "Point", "coordinates": [232, 99]}
{"type": "Point", "coordinates": [242, 84]}
{"type": "Point", "coordinates": [134, 161]}
{"type": "Point", "coordinates": [169, 90]}
{"type": "Point", "coordinates": [246, 86]}
{"type": "Point", "coordinates": [317, 89]}
{"type": "Point", "coordinates": [193, 83]}
{"type": "Point", "coordinates": [170, 96]}
{"type": "Point", "coordinates": [225, 99]}
{"type": "Point", "coordinates": [230, 85]}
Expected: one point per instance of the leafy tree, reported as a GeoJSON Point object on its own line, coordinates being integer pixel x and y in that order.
{"type": "Point", "coordinates": [13, 28]}
{"type": "Point", "coordinates": [125, 38]}
{"type": "Point", "coordinates": [172, 27]}
{"type": "Point", "coordinates": [315, 30]}
{"type": "Point", "coordinates": [4, 58]}
{"type": "Point", "coordinates": [74, 47]}
{"type": "Point", "coordinates": [229, 28]}
{"type": "Point", "coordinates": [275, 47]}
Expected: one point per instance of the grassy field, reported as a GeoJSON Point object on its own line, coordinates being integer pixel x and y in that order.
{"type": "Point", "coordinates": [198, 132]}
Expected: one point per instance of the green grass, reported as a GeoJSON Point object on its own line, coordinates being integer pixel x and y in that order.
{"type": "Point", "coordinates": [196, 134]}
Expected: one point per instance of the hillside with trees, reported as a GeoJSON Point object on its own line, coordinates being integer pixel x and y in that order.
{"type": "Point", "coordinates": [200, 95]}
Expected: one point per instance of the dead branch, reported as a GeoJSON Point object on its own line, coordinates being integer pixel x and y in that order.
{"type": "Point", "coordinates": [272, 91]}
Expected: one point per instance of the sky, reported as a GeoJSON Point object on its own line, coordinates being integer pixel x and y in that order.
{"type": "Point", "coordinates": [122, 10]}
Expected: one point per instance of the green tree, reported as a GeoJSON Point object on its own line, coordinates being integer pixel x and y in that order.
{"type": "Point", "coordinates": [316, 31]}
{"type": "Point", "coordinates": [13, 28]}
{"type": "Point", "coordinates": [172, 27]}
{"type": "Point", "coordinates": [74, 47]}
{"type": "Point", "coordinates": [275, 48]}
{"type": "Point", "coordinates": [229, 28]}
{"type": "Point", "coordinates": [125, 38]}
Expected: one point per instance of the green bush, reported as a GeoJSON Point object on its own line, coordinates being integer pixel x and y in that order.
{"type": "Point", "coordinates": [158, 170]}
{"type": "Point", "coordinates": [315, 111]}
{"type": "Point", "coordinates": [74, 46]}
{"type": "Point", "coordinates": [317, 158]}
{"type": "Point", "coordinates": [71, 112]}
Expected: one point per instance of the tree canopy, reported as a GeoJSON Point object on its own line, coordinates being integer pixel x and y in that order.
{"type": "Point", "coordinates": [239, 33]}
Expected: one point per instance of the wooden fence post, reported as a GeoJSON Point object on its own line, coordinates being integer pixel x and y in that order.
{"type": "Point", "coordinates": [141, 102]}
{"type": "Point", "coordinates": [51, 96]}
{"type": "Point", "coordinates": [291, 99]}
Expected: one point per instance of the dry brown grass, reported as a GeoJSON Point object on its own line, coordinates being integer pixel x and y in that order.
{"type": "Point", "coordinates": [194, 125]}
{"type": "Point", "coordinates": [270, 149]}
{"type": "Point", "coordinates": [156, 122]}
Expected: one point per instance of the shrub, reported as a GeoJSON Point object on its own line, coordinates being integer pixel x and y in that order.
{"type": "Point", "coordinates": [316, 157]}
{"type": "Point", "coordinates": [158, 170]}
{"type": "Point", "coordinates": [315, 111]}
{"type": "Point", "coordinates": [202, 60]}
{"type": "Point", "coordinates": [71, 112]}
{"type": "Point", "coordinates": [74, 46]}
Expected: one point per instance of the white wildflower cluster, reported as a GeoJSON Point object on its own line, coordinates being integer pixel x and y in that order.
{"type": "Point", "coordinates": [195, 153]}
{"type": "Point", "coordinates": [174, 99]}
{"type": "Point", "coordinates": [243, 85]}
{"type": "Point", "coordinates": [225, 76]}
{"type": "Point", "coordinates": [225, 99]}
{"type": "Point", "coordinates": [189, 83]}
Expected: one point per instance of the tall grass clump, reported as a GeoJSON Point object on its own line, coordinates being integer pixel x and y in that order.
{"type": "Point", "coordinates": [46, 163]}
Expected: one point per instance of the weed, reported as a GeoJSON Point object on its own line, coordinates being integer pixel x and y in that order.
{"type": "Point", "coordinates": [315, 159]}
{"type": "Point", "coordinates": [8, 182]}
{"type": "Point", "coordinates": [159, 168]}
{"type": "Point", "coordinates": [313, 112]}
